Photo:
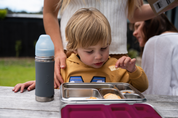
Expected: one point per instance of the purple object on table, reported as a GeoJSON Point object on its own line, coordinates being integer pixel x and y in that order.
{"type": "Point", "coordinates": [109, 111]}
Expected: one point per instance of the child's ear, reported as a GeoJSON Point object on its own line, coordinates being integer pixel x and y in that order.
{"type": "Point", "coordinates": [75, 52]}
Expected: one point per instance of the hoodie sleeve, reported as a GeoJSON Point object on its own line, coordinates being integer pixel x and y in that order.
{"type": "Point", "coordinates": [138, 79]}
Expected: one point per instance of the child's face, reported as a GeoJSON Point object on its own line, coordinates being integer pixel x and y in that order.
{"type": "Point", "coordinates": [138, 33]}
{"type": "Point", "coordinates": [94, 56]}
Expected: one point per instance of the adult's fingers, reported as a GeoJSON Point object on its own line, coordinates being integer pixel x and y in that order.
{"type": "Point", "coordinates": [62, 66]}
{"type": "Point", "coordinates": [60, 63]}
{"type": "Point", "coordinates": [63, 62]}
{"type": "Point", "coordinates": [56, 73]}
{"type": "Point", "coordinates": [56, 81]}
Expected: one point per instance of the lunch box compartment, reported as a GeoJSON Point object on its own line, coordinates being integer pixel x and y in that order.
{"type": "Point", "coordinates": [124, 86]}
{"type": "Point", "coordinates": [81, 93]}
{"type": "Point", "coordinates": [132, 96]}
{"type": "Point", "coordinates": [105, 91]}
{"type": "Point", "coordinates": [127, 91]}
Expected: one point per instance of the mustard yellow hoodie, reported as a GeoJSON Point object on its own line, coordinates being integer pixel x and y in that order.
{"type": "Point", "coordinates": [77, 71]}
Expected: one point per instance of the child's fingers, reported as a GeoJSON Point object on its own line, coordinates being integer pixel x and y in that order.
{"type": "Point", "coordinates": [120, 61]}
{"type": "Point", "coordinates": [13, 89]}
{"type": "Point", "coordinates": [133, 61]}
{"type": "Point", "coordinates": [126, 61]}
{"type": "Point", "coordinates": [31, 87]}
{"type": "Point", "coordinates": [22, 88]}
{"type": "Point", "coordinates": [17, 87]}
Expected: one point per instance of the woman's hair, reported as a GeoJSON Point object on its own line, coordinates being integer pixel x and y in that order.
{"type": "Point", "coordinates": [87, 27]}
{"type": "Point", "coordinates": [131, 5]}
{"type": "Point", "coordinates": [157, 26]}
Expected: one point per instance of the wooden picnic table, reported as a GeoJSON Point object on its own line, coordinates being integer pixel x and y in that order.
{"type": "Point", "coordinates": [24, 105]}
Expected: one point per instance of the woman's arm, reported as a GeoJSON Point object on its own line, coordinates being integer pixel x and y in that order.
{"type": "Point", "coordinates": [51, 25]}
{"type": "Point", "coordinates": [144, 13]}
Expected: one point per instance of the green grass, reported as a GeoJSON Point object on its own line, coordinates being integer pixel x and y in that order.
{"type": "Point", "coordinates": [19, 70]}
{"type": "Point", "coordinates": [16, 70]}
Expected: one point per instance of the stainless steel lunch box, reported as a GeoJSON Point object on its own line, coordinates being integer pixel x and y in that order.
{"type": "Point", "coordinates": [78, 93]}
{"type": "Point", "coordinates": [75, 96]}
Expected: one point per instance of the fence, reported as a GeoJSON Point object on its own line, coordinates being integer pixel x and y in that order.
{"type": "Point", "coordinates": [19, 34]}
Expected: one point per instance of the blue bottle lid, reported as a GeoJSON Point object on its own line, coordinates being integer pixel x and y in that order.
{"type": "Point", "coordinates": [44, 46]}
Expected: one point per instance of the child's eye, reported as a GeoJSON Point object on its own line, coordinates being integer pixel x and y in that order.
{"type": "Point", "coordinates": [89, 52]}
{"type": "Point", "coordinates": [104, 48]}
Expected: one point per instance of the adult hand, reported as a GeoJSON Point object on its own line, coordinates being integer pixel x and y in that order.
{"type": "Point", "coordinates": [60, 63]}
{"type": "Point", "coordinates": [30, 85]}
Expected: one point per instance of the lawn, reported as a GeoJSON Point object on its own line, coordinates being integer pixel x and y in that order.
{"type": "Point", "coordinates": [20, 70]}
{"type": "Point", "coordinates": [16, 70]}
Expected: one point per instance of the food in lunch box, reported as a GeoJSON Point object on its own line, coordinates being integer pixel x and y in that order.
{"type": "Point", "coordinates": [111, 96]}
{"type": "Point", "coordinates": [126, 91]}
{"type": "Point", "coordinates": [113, 68]}
{"type": "Point", "coordinates": [92, 98]}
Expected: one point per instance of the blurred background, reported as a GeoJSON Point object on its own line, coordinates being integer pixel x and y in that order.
{"type": "Point", "coordinates": [21, 23]}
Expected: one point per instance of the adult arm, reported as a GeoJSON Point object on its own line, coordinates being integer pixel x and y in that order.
{"type": "Point", "coordinates": [145, 12]}
{"type": "Point", "coordinates": [51, 25]}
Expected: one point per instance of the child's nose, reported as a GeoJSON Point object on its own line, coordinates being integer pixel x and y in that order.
{"type": "Point", "coordinates": [98, 56]}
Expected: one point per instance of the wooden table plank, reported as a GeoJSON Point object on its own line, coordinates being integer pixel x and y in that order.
{"type": "Point", "coordinates": [24, 105]}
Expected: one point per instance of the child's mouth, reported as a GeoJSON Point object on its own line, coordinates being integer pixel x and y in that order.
{"type": "Point", "coordinates": [99, 64]}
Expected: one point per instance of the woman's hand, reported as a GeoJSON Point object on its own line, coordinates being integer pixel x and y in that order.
{"type": "Point", "coordinates": [30, 85]}
{"type": "Point", "coordinates": [60, 62]}
{"type": "Point", "coordinates": [127, 63]}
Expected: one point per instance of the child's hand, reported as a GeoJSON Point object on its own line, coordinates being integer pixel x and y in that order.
{"type": "Point", "coordinates": [30, 85]}
{"type": "Point", "coordinates": [126, 63]}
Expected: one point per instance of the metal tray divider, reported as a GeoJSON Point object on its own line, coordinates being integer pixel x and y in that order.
{"type": "Point", "coordinates": [119, 91]}
{"type": "Point", "coordinates": [138, 92]}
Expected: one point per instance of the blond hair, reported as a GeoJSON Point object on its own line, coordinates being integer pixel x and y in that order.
{"type": "Point", "coordinates": [131, 5]}
{"type": "Point", "coordinates": [87, 27]}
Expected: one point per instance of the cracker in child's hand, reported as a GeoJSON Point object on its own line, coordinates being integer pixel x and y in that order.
{"type": "Point", "coordinates": [113, 68]}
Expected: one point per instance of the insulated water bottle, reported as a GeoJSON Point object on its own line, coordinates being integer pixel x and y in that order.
{"type": "Point", "coordinates": [44, 69]}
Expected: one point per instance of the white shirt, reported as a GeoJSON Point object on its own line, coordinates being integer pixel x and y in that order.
{"type": "Point", "coordinates": [160, 63]}
{"type": "Point", "coordinates": [116, 13]}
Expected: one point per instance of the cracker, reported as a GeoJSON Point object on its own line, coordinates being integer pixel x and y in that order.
{"type": "Point", "coordinates": [111, 96]}
{"type": "Point", "coordinates": [113, 68]}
